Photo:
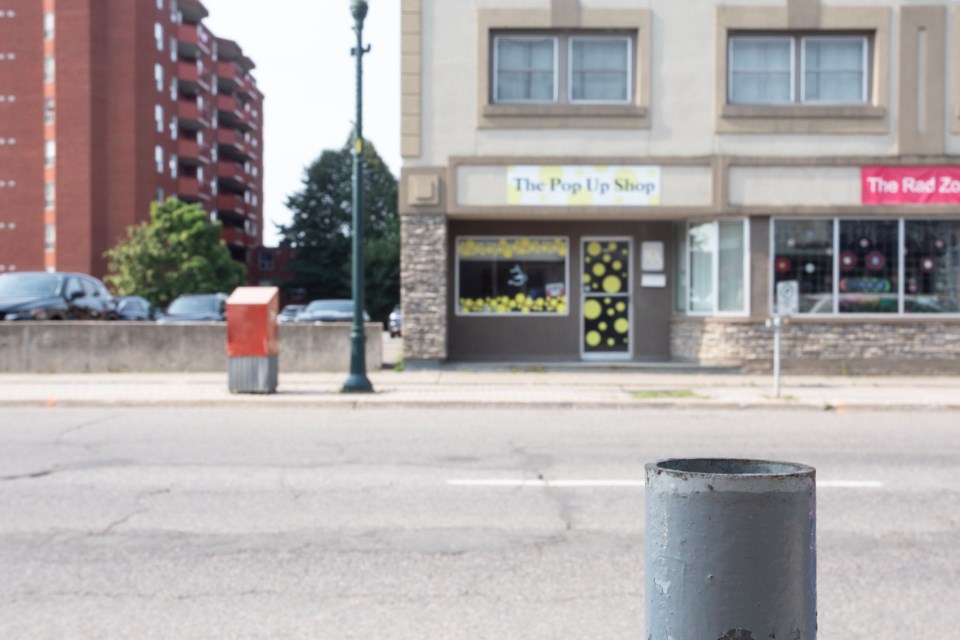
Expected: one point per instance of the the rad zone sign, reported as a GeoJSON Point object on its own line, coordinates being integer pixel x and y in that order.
{"type": "Point", "coordinates": [583, 185]}
{"type": "Point", "coordinates": [910, 185]}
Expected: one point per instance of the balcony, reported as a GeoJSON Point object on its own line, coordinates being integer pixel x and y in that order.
{"type": "Point", "coordinates": [191, 78]}
{"type": "Point", "coordinates": [190, 115]}
{"type": "Point", "coordinates": [193, 41]}
{"type": "Point", "coordinates": [232, 175]}
{"type": "Point", "coordinates": [190, 153]}
{"type": "Point", "coordinates": [189, 189]}
{"type": "Point", "coordinates": [235, 236]}
{"type": "Point", "coordinates": [231, 142]}
{"type": "Point", "coordinates": [232, 204]}
{"type": "Point", "coordinates": [232, 113]}
{"type": "Point", "coordinates": [193, 11]}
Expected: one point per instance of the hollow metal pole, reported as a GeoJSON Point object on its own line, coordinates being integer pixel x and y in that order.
{"type": "Point", "coordinates": [730, 550]}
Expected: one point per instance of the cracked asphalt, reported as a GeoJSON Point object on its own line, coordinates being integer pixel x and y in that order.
{"type": "Point", "coordinates": [288, 522]}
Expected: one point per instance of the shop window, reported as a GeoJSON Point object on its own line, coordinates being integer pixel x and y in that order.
{"type": "Point", "coordinates": [562, 68]}
{"type": "Point", "coordinates": [868, 266]}
{"type": "Point", "coordinates": [803, 252]}
{"type": "Point", "coordinates": [512, 276]}
{"type": "Point", "coordinates": [932, 266]}
{"type": "Point", "coordinates": [716, 267]}
{"type": "Point", "coordinates": [854, 266]}
{"type": "Point", "coordinates": [811, 69]}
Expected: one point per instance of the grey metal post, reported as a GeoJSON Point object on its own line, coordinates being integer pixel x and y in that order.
{"type": "Point", "coordinates": [730, 550]}
{"type": "Point", "coordinates": [777, 327]}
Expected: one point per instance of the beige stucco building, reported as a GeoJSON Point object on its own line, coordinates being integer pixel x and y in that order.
{"type": "Point", "coordinates": [650, 180]}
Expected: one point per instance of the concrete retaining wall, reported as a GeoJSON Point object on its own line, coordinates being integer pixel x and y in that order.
{"type": "Point", "coordinates": [69, 347]}
{"type": "Point", "coordinates": [868, 346]}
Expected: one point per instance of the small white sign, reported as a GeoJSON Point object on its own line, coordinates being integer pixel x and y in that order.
{"type": "Point", "coordinates": [651, 256]}
{"type": "Point", "coordinates": [788, 297]}
{"type": "Point", "coordinates": [583, 185]}
{"type": "Point", "coordinates": [653, 280]}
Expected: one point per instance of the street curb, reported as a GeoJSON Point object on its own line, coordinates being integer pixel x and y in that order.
{"type": "Point", "coordinates": [268, 402]}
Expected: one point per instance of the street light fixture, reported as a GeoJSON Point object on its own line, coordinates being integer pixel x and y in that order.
{"type": "Point", "coordinates": [357, 381]}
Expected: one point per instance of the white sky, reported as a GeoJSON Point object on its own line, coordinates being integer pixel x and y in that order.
{"type": "Point", "coordinates": [305, 70]}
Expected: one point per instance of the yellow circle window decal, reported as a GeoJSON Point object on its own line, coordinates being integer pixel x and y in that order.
{"type": "Point", "coordinates": [594, 248]}
{"type": "Point", "coordinates": [612, 284]}
{"type": "Point", "coordinates": [591, 309]}
{"type": "Point", "coordinates": [599, 269]}
{"type": "Point", "coordinates": [593, 338]}
{"type": "Point", "coordinates": [621, 325]}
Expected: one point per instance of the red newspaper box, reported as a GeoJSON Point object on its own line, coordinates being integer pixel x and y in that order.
{"type": "Point", "coordinates": [252, 344]}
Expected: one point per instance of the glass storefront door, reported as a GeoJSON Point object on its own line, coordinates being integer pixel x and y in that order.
{"type": "Point", "coordinates": [606, 284]}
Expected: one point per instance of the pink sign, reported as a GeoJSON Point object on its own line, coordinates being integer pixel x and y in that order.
{"type": "Point", "coordinates": [910, 185]}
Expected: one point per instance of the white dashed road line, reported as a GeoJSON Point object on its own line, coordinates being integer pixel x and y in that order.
{"type": "Point", "coordinates": [570, 484]}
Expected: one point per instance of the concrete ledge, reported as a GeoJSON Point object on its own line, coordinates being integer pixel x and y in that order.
{"type": "Point", "coordinates": [77, 347]}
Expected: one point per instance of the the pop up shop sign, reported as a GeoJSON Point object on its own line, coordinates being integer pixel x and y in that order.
{"type": "Point", "coordinates": [583, 185]}
{"type": "Point", "coordinates": [910, 185]}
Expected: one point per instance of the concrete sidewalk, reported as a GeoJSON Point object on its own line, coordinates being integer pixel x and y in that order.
{"type": "Point", "coordinates": [491, 389]}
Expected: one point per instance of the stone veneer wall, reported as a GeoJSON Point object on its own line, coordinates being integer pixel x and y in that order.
{"type": "Point", "coordinates": [838, 346]}
{"type": "Point", "coordinates": [423, 286]}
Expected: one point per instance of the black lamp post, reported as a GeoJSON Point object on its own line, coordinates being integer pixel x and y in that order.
{"type": "Point", "coordinates": [357, 381]}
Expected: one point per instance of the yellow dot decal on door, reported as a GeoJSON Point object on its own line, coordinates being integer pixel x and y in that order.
{"type": "Point", "coordinates": [621, 307]}
{"type": "Point", "coordinates": [594, 248]}
{"type": "Point", "coordinates": [591, 310]}
{"type": "Point", "coordinates": [617, 265]}
{"type": "Point", "coordinates": [611, 342]}
{"type": "Point", "coordinates": [602, 326]}
{"type": "Point", "coordinates": [599, 269]}
{"type": "Point", "coordinates": [593, 338]}
{"type": "Point", "coordinates": [621, 325]}
{"type": "Point", "coordinates": [612, 284]}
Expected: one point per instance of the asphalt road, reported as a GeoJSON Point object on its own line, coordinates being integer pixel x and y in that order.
{"type": "Point", "coordinates": [246, 523]}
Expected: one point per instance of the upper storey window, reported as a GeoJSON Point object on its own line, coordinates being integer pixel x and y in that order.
{"type": "Point", "coordinates": [812, 69]}
{"type": "Point", "coordinates": [562, 68]}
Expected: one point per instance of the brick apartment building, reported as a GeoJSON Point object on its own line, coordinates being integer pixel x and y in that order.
{"type": "Point", "coordinates": [628, 181]}
{"type": "Point", "coordinates": [108, 105]}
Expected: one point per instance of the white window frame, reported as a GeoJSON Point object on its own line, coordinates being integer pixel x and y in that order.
{"type": "Point", "coordinates": [496, 68]}
{"type": "Point", "coordinates": [715, 267]}
{"type": "Point", "coordinates": [158, 35]}
{"type": "Point", "coordinates": [158, 117]}
{"type": "Point", "coordinates": [599, 38]}
{"type": "Point", "coordinates": [793, 66]}
{"type": "Point", "coordinates": [865, 85]}
{"type": "Point", "coordinates": [487, 314]}
{"type": "Point", "coordinates": [158, 158]}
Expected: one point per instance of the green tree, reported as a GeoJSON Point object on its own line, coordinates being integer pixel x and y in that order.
{"type": "Point", "coordinates": [321, 230]}
{"type": "Point", "coordinates": [178, 251]}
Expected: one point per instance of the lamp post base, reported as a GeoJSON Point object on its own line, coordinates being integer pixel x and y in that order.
{"type": "Point", "coordinates": [357, 383]}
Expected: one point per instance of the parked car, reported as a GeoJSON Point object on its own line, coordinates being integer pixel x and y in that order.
{"type": "Point", "coordinates": [195, 307]}
{"type": "Point", "coordinates": [134, 308]}
{"type": "Point", "coordinates": [289, 313]}
{"type": "Point", "coordinates": [329, 311]}
{"type": "Point", "coordinates": [41, 295]}
{"type": "Point", "coordinates": [395, 322]}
